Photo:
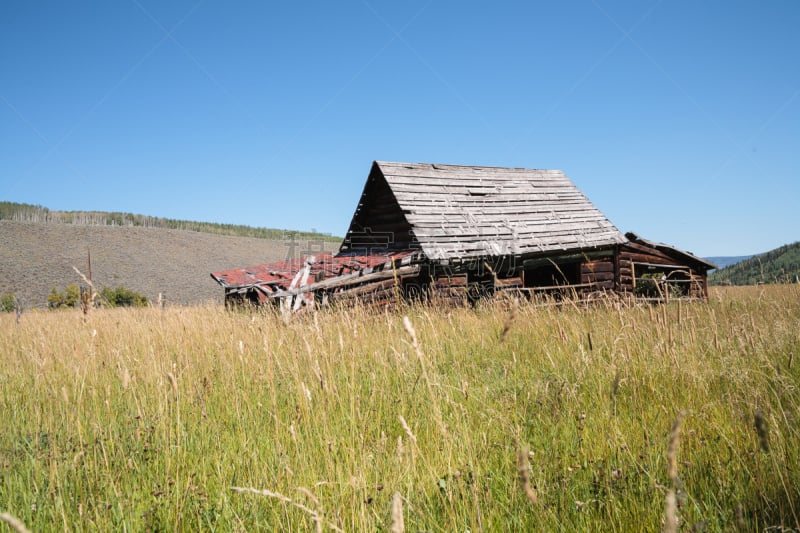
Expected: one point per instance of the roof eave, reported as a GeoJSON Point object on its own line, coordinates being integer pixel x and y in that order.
{"type": "Point", "coordinates": [671, 249]}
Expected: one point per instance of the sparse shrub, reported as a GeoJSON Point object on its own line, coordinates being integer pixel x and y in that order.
{"type": "Point", "coordinates": [55, 300]}
{"type": "Point", "coordinates": [8, 302]}
{"type": "Point", "coordinates": [69, 298]}
{"type": "Point", "coordinates": [648, 285]}
{"type": "Point", "coordinates": [122, 297]}
{"type": "Point", "coordinates": [72, 295]}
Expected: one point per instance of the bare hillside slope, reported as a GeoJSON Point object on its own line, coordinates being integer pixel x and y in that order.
{"type": "Point", "coordinates": [36, 257]}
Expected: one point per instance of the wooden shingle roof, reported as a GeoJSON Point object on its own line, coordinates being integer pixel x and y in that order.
{"type": "Point", "coordinates": [458, 212]}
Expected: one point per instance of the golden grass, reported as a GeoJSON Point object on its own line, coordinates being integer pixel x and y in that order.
{"type": "Point", "coordinates": [148, 419]}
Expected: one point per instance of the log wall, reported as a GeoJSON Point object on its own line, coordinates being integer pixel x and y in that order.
{"type": "Point", "coordinates": [459, 284]}
{"type": "Point", "coordinates": [600, 274]}
{"type": "Point", "coordinates": [631, 254]}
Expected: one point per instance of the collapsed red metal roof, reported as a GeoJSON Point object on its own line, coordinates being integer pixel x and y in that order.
{"type": "Point", "coordinates": [280, 276]}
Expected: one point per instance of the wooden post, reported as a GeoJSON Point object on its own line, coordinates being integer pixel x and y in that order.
{"type": "Point", "coordinates": [303, 281]}
{"type": "Point", "coordinates": [396, 284]}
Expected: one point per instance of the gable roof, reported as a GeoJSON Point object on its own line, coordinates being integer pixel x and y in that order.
{"type": "Point", "coordinates": [457, 212]}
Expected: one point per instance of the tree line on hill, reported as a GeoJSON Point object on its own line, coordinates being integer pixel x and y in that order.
{"type": "Point", "coordinates": [20, 212]}
{"type": "Point", "coordinates": [781, 265]}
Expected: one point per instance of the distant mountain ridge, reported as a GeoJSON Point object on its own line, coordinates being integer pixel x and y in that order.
{"type": "Point", "coordinates": [781, 265]}
{"type": "Point", "coordinates": [723, 261]}
{"type": "Point", "coordinates": [19, 212]}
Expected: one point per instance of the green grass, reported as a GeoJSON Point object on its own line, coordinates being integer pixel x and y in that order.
{"type": "Point", "coordinates": [146, 419]}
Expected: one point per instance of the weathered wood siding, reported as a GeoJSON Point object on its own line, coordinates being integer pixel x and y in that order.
{"type": "Point", "coordinates": [449, 290]}
{"type": "Point", "coordinates": [600, 274]}
{"type": "Point", "coordinates": [378, 222]}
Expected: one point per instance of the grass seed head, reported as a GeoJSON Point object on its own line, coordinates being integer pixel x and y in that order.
{"type": "Point", "coordinates": [760, 423]}
{"type": "Point", "coordinates": [174, 381]}
{"type": "Point", "coordinates": [398, 523]}
{"type": "Point", "coordinates": [523, 469]}
{"type": "Point", "coordinates": [407, 429]}
{"type": "Point", "coordinates": [672, 449]}
{"type": "Point", "coordinates": [14, 523]}
{"type": "Point", "coordinates": [670, 512]}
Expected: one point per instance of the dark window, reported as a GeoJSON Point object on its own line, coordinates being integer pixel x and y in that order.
{"type": "Point", "coordinates": [552, 275]}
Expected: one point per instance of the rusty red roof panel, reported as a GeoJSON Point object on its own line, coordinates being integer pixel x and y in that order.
{"type": "Point", "coordinates": [279, 275]}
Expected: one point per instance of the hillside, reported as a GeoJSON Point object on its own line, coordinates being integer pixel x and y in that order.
{"type": "Point", "coordinates": [781, 265]}
{"type": "Point", "coordinates": [36, 257]}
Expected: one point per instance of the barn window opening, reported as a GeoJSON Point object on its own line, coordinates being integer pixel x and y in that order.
{"type": "Point", "coordinates": [661, 282]}
{"type": "Point", "coordinates": [552, 275]}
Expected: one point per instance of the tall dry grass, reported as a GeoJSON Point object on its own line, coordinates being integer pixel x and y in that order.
{"type": "Point", "coordinates": [504, 417]}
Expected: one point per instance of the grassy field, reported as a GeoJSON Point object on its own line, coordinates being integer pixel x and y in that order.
{"type": "Point", "coordinates": [504, 417]}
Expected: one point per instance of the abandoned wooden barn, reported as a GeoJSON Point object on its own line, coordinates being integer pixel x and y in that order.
{"type": "Point", "coordinates": [448, 233]}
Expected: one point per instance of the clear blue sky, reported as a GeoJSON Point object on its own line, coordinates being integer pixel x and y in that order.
{"type": "Point", "coordinates": [679, 119]}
